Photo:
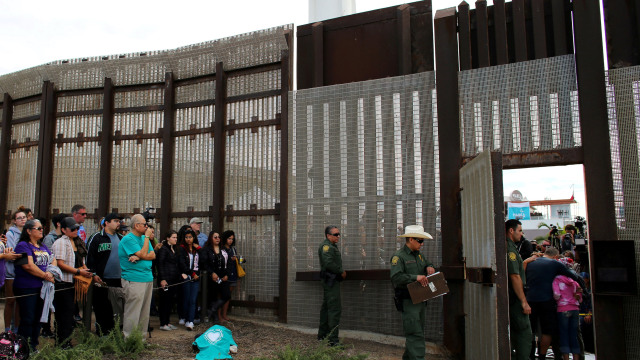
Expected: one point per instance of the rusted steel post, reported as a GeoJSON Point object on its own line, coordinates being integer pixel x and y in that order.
{"type": "Point", "coordinates": [283, 266]}
{"type": "Point", "coordinates": [317, 33]}
{"type": "Point", "coordinates": [44, 175]}
{"type": "Point", "coordinates": [106, 149]}
{"type": "Point", "coordinates": [219, 136]}
{"type": "Point", "coordinates": [5, 141]}
{"type": "Point", "coordinates": [404, 39]}
{"type": "Point", "coordinates": [168, 153]}
{"type": "Point", "coordinates": [592, 101]}
{"type": "Point", "coordinates": [450, 162]}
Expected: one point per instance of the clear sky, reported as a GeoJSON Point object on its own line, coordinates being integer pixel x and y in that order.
{"type": "Point", "coordinates": [35, 32]}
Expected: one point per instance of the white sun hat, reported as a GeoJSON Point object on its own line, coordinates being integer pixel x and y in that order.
{"type": "Point", "coordinates": [415, 231]}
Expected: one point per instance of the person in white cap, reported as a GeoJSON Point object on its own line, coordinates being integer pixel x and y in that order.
{"type": "Point", "coordinates": [196, 225]}
{"type": "Point", "coordinates": [409, 265]}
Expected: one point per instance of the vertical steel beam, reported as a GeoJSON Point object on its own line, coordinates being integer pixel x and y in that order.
{"type": "Point", "coordinates": [106, 148]}
{"type": "Point", "coordinates": [168, 152]}
{"type": "Point", "coordinates": [44, 174]}
{"type": "Point", "coordinates": [5, 141]}
{"type": "Point", "coordinates": [283, 266]}
{"type": "Point", "coordinates": [482, 33]}
{"type": "Point", "coordinates": [464, 21]}
{"type": "Point", "coordinates": [519, 30]}
{"type": "Point", "coordinates": [621, 27]}
{"type": "Point", "coordinates": [450, 162]}
{"type": "Point", "coordinates": [403, 14]}
{"type": "Point", "coordinates": [500, 26]}
{"type": "Point", "coordinates": [317, 33]}
{"type": "Point", "coordinates": [539, 31]}
{"type": "Point", "coordinates": [219, 145]}
{"type": "Point", "coordinates": [592, 102]}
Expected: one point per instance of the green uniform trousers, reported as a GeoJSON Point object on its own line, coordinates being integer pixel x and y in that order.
{"type": "Point", "coordinates": [520, 331]}
{"type": "Point", "coordinates": [413, 317]}
{"type": "Point", "coordinates": [330, 313]}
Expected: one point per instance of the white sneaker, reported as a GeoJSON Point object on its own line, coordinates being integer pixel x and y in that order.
{"type": "Point", "coordinates": [181, 322]}
{"type": "Point", "coordinates": [189, 325]}
{"type": "Point", "coordinates": [173, 327]}
{"type": "Point", "coordinates": [165, 328]}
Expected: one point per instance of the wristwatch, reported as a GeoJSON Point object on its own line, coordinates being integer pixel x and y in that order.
{"type": "Point", "coordinates": [77, 271]}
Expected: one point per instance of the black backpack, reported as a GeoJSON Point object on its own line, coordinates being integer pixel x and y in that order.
{"type": "Point", "coordinates": [13, 346]}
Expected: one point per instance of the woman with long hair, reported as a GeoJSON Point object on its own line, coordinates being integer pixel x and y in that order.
{"type": "Point", "coordinates": [228, 239]}
{"type": "Point", "coordinates": [18, 219]}
{"type": "Point", "coordinates": [31, 271]}
{"type": "Point", "coordinates": [191, 259]}
{"type": "Point", "coordinates": [214, 260]}
{"type": "Point", "coordinates": [170, 272]}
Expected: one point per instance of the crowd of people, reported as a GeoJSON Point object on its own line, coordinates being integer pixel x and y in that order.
{"type": "Point", "coordinates": [549, 299]}
{"type": "Point", "coordinates": [42, 275]}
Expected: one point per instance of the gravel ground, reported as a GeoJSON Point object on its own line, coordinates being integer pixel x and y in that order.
{"type": "Point", "coordinates": [257, 339]}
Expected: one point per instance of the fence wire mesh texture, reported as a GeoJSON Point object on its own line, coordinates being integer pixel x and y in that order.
{"type": "Point", "coordinates": [363, 159]}
{"type": "Point", "coordinates": [623, 97]}
{"type": "Point", "coordinates": [521, 107]}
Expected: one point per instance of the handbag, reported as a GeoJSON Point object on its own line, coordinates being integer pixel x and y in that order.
{"type": "Point", "coordinates": [81, 285]}
{"type": "Point", "coordinates": [241, 272]}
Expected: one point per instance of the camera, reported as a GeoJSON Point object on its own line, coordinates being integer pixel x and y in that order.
{"type": "Point", "coordinates": [149, 214]}
{"type": "Point", "coordinates": [554, 229]}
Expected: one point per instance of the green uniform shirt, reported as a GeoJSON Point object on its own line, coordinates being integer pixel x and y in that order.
{"type": "Point", "coordinates": [406, 265]}
{"type": "Point", "coordinates": [330, 258]}
{"type": "Point", "coordinates": [514, 266]}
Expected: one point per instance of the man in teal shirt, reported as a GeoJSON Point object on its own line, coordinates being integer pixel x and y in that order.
{"type": "Point", "coordinates": [136, 254]}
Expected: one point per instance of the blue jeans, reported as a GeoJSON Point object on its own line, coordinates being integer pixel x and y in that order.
{"type": "Point", "coordinates": [30, 311]}
{"type": "Point", "coordinates": [568, 331]}
{"type": "Point", "coordinates": [190, 295]}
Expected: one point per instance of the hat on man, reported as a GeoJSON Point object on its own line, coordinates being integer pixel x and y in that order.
{"type": "Point", "coordinates": [415, 231]}
{"type": "Point", "coordinates": [195, 220]}
{"type": "Point", "coordinates": [112, 216]}
{"type": "Point", "coordinates": [69, 223]}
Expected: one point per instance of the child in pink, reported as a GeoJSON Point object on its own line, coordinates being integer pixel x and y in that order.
{"type": "Point", "coordinates": [568, 296]}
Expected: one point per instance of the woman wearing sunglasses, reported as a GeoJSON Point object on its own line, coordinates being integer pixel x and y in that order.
{"type": "Point", "coordinates": [31, 271]}
{"type": "Point", "coordinates": [70, 263]}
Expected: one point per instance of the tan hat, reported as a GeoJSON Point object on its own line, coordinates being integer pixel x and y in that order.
{"type": "Point", "coordinates": [196, 220]}
{"type": "Point", "coordinates": [415, 231]}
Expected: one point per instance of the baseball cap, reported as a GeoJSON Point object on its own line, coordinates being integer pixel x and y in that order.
{"type": "Point", "coordinates": [112, 216]}
{"type": "Point", "coordinates": [69, 223]}
{"type": "Point", "coordinates": [195, 220]}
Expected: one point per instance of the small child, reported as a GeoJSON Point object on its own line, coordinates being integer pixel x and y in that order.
{"type": "Point", "coordinates": [568, 296]}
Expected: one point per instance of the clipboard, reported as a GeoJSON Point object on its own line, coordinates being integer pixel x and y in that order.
{"type": "Point", "coordinates": [437, 287]}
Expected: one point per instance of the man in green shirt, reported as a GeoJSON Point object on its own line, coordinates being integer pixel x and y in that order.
{"type": "Point", "coordinates": [331, 273]}
{"type": "Point", "coordinates": [519, 310]}
{"type": "Point", "coordinates": [407, 266]}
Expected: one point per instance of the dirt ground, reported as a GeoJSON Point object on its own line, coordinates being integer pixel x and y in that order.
{"type": "Point", "coordinates": [257, 339]}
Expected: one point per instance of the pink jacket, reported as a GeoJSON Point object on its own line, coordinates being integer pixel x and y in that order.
{"type": "Point", "coordinates": [564, 289]}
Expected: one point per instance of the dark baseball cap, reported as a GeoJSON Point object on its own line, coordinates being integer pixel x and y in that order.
{"type": "Point", "coordinates": [69, 223]}
{"type": "Point", "coordinates": [112, 216]}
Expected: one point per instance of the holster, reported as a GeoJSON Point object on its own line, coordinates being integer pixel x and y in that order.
{"type": "Point", "coordinates": [398, 296]}
{"type": "Point", "coordinates": [329, 278]}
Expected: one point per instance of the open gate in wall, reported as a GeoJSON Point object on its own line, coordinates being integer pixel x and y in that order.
{"type": "Point", "coordinates": [196, 131]}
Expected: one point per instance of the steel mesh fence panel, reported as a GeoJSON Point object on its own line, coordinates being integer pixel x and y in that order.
{"type": "Point", "coordinates": [193, 173]}
{"type": "Point", "coordinates": [31, 108]}
{"type": "Point", "coordinates": [136, 175]}
{"type": "Point", "coordinates": [25, 132]}
{"type": "Point", "coordinates": [252, 173]}
{"type": "Point", "coordinates": [521, 107]}
{"type": "Point", "coordinates": [623, 95]}
{"type": "Point", "coordinates": [195, 92]}
{"type": "Point", "coordinates": [22, 182]}
{"type": "Point", "coordinates": [257, 240]}
{"type": "Point", "coordinates": [363, 159]}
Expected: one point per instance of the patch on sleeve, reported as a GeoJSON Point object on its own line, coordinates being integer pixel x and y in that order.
{"type": "Point", "coordinates": [512, 256]}
{"type": "Point", "coordinates": [394, 260]}
{"type": "Point", "coordinates": [325, 248]}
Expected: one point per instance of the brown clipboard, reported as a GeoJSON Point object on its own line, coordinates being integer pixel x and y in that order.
{"type": "Point", "coordinates": [437, 287]}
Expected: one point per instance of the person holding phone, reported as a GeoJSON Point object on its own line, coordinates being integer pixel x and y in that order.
{"type": "Point", "coordinates": [31, 271]}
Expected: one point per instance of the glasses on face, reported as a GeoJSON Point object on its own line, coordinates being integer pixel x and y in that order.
{"type": "Point", "coordinates": [143, 224]}
{"type": "Point", "coordinates": [38, 228]}
{"type": "Point", "coordinates": [216, 237]}
{"type": "Point", "coordinates": [420, 241]}
{"type": "Point", "coordinates": [21, 218]}
{"type": "Point", "coordinates": [336, 234]}
{"type": "Point", "coordinates": [82, 214]}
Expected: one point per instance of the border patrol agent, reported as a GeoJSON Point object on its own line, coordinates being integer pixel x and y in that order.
{"type": "Point", "coordinates": [331, 273]}
{"type": "Point", "coordinates": [409, 265]}
{"type": "Point", "coordinates": [519, 309]}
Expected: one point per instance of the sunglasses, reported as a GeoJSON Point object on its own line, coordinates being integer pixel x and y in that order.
{"type": "Point", "coordinates": [82, 214]}
{"type": "Point", "coordinates": [38, 228]}
{"type": "Point", "coordinates": [420, 241]}
{"type": "Point", "coordinates": [336, 234]}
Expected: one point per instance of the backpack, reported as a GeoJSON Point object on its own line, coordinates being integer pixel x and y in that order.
{"type": "Point", "coordinates": [13, 346]}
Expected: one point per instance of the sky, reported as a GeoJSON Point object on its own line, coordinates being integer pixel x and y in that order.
{"type": "Point", "coordinates": [36, 32]}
